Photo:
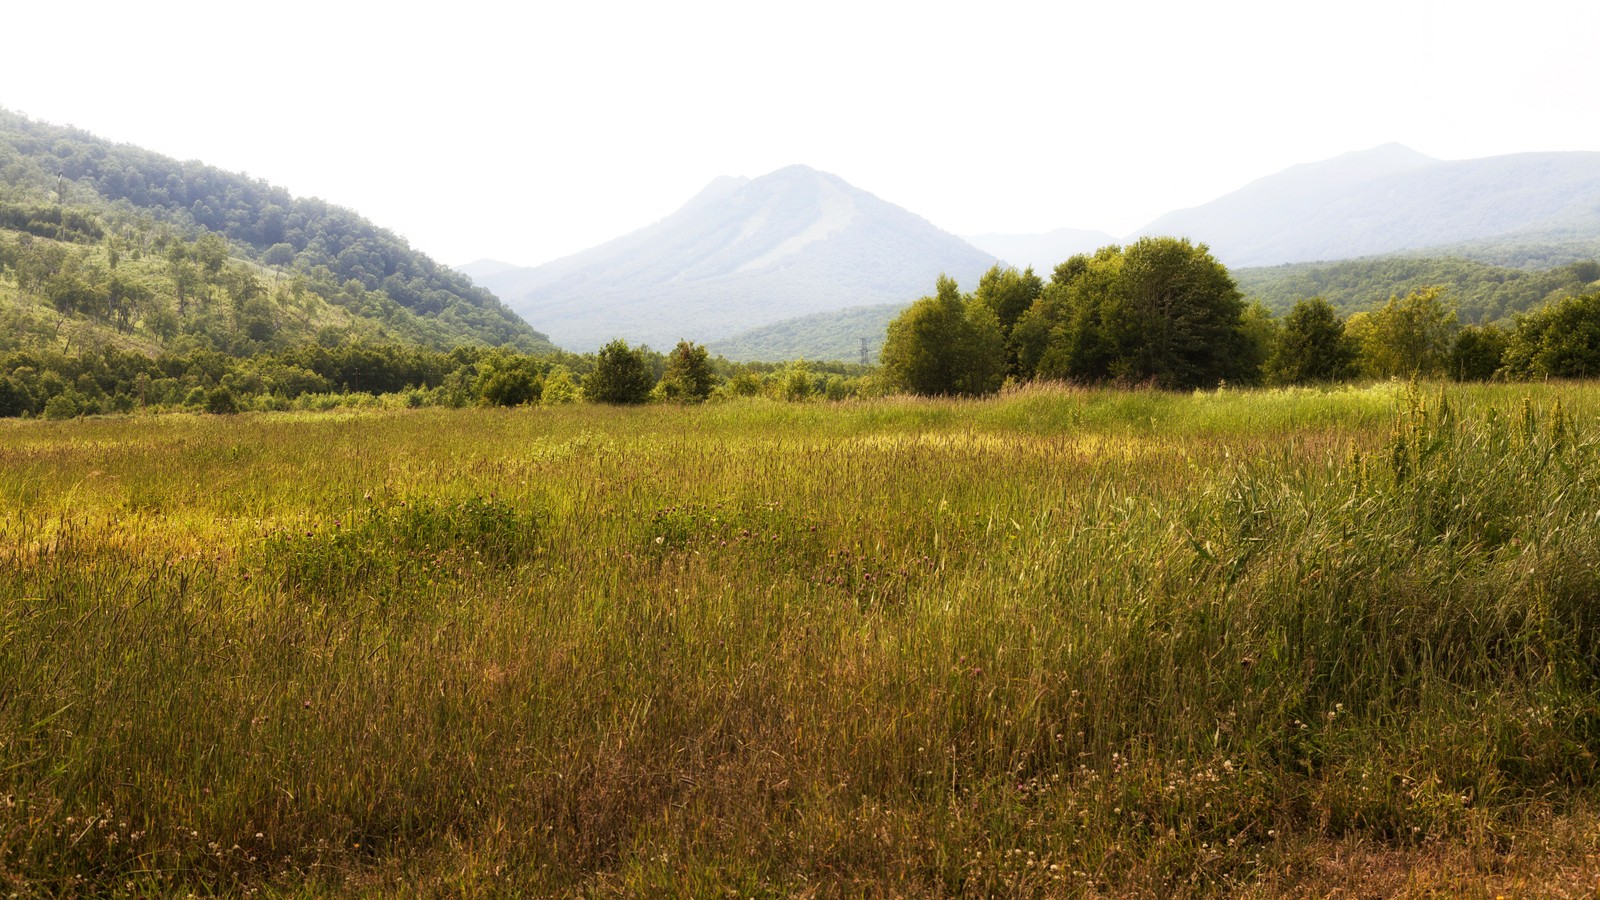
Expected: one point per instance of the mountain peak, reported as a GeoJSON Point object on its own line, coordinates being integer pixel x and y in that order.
{"type": "Point", "coordinates": [1393, 151]}
{"type": "Point", "coordinates": [741, 253]}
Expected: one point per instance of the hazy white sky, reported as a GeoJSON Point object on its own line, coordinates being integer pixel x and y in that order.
{"type": "Point", "coordinates": [527, 132]}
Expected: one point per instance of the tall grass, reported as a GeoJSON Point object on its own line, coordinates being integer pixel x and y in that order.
{"type": "Point", "coordinates": [1058, 642]}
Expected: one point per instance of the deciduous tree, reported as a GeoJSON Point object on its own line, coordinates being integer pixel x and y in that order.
{"type": "Point", "coordinates": [1561, 340]}
{"type": "Point", "coordinates": [620, 375]}
{"type": "Point", "coordinates": [1162, 311]}
{"type": "Point", "coordinates": [1312, 346]}
{"type": "Point", "coordinates": [688, 377]}
{"type": "Point", "coordinates": [1409, 336]}
{"type": "Point", "coordinates": [944, 345]}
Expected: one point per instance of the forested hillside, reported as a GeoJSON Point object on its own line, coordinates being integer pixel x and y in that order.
{"type": "Point", "coordinates": [101, 235]}
{"type": "Point", "coordinates": [829, 335]}
{"type": "Point", "coordinates": [1483, 293]}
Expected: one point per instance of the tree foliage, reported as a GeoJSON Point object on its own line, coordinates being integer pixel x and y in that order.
{"type": "Point", "coordinates": [1561, 340]}
{"type": "Point", "coordinates": [945, 345]}
{"type": "Point", "coordinates": [688, 377]}
{"type": "Point", "coordinates": [1409, 336]}
{"type": "Point", "coordinates": [1008, 294]}
{"type": "Point", "coordinates": [1483, 293]}
{"type": "Point", "coordinates": [510, 380]}
{"type": "Point", "coordinates": [1478, 353]}
{"type": "Point", "coordinates": [1311, 347]}
{"type": "Point", "coordinates": [1162, 311]}
{"type": "Point", "coordinates": [621, 375]}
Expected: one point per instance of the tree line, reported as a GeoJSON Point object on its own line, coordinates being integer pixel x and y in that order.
{"type": "Point", "coordinates": [1159, 312]}
{"type": "Point", "coordinates": [1162, 311]}
{"type": "Point", "coordinates": [53, 384]}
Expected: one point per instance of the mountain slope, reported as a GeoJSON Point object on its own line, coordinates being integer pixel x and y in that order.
{"type": "Point", "coordinates": [1390, 199]}
{"type": "Point", "coordinates": [136, 190]}
{"type": "Point", "coordinates": [740, 254]}
{"type": "Point", "coordinates": [833, 335]}
{"type": "Point", "coordinates": [1482, 293]}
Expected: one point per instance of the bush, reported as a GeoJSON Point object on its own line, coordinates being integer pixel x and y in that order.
{"type": "Point", "coordinates": [1312, 347]}
{"type": "Point", "coordinates": [63, 406]}
{"type": "Point", "coordinates": [559, 388]}
{"type": "Point", "coordinates": [221, 402]}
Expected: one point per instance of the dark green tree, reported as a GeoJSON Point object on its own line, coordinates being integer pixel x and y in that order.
{"type": "Point", "coordinates": [510, 381]}
{"type": "Point", "coordinates": [278, 255]}
{"type": "Point", "coordinates": [1008, 294]}
{"type": "Point", "coordinates": [1173, 317]}
{"type": "Point", "coordinates": [1161, 311]}
{"type": "Point", "coordinates": [1561, 340]}
{"type": "Point", "coordinates": [1478, 353]}
{"type": "Point", "coordinates": [220, 401]}
{"type": "Point", "coordinates": [621, 375]}
{"type": "Point", "coordinates": [1060, 330]}
{"type": "Point", "coordinates": [688, 377]}
{"type": "Point", "coordinates": [14, 399]}
{"type": "Point", "coordinates": [1311, 347]}
{"type": "Point", "coordinates": [945, 345]}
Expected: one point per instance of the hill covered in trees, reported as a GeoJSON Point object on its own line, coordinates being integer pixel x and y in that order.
{"type": "Point", "coordinates": [139, 249]}
{"type": "Point", "coordinates": [836, 335]}
{"type": "Point", "coordinates": [1482, 292]}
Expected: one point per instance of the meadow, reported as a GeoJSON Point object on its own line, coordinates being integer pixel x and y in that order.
{"type": "Point", "coordinates": [1060, 642]}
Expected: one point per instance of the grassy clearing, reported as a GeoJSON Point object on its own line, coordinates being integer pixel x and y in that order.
{"type": "Point", "coordinates": [1052, 643]}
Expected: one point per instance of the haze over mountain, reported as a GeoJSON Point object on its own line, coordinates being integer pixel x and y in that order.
{"type": "Point", "coordinates": [1390, 199]}
{"type": "Point", "coordinates": [1041, 251]}
{"type": "Point", "coordinates": [740, 254]}
{"type": "Point", "coordinates": [486, 268]}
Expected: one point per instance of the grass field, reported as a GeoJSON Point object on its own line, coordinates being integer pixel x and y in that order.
{"type": "Point", "coordinates": [1057, 643]}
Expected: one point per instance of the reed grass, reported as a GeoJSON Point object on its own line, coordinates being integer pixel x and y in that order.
{"type": "Point", "coordinates": [1056, 643]}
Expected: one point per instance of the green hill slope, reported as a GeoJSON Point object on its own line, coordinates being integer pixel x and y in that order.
{"type": "Point", "coordinates": [819, 336]}
{"type": "Point", "coordinates": [114, 241]}
{"type": "Point", "coordinates": [1482, 292]}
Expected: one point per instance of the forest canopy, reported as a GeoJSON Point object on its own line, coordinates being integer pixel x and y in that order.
{"type": "Point", "coordinates": [139, 194]}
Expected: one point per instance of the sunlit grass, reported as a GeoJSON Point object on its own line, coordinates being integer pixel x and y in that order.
{"type": "Point", "coordinates": [1060, 641]}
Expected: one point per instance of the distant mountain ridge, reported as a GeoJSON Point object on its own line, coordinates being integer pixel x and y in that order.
{"type": "Point", "coordinates": [1391, 199]}
{"type": "Point", "coordinates": [739, 254]}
